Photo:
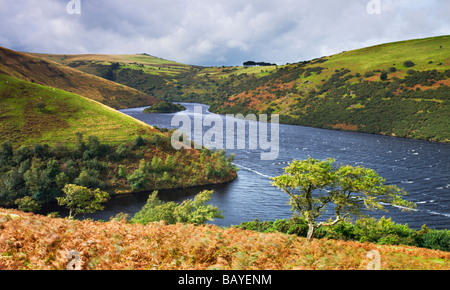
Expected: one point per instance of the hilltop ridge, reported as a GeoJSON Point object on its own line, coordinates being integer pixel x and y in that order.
{"type": "Point", "coordinates": [49, 73]}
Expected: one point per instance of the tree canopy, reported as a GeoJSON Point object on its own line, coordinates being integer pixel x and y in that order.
{"type": "Point", "coordinates": [313, 184]}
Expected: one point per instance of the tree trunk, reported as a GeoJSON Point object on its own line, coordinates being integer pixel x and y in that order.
{"type": "Point", "coordinates": [311, 231]}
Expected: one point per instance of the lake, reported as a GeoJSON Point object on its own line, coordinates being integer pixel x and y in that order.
{"type": "Point", "coordinates": [421, 168]}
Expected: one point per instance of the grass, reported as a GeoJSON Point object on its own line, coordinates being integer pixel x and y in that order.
{"type": "Point", "coordinates": [36, 242]}
{"type": "Point", "coordinates": [63, 114]}
{"type": "Point", "coordinates": [384, 56]}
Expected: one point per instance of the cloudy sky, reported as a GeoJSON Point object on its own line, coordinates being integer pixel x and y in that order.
{"type": "Point", "coordinates": [217, 32]}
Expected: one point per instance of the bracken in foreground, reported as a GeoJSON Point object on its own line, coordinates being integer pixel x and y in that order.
{"type": "Point", "coordinates": [30, 241]}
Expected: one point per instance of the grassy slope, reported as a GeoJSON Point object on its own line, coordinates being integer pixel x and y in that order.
{"type": "Point", "coordinates": [35, 242]}
{"type": "Point", "coordinates": [46, 72]}
{"type": "Point", "coordinates": [293, 92]}
{"type": "Point", "coordinates": [64, 114]}
{"type": "Point", "coordinates": [150, 64]}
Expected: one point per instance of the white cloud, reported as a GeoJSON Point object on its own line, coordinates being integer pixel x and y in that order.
{"type": "Point", "coordinates": [217, 32]}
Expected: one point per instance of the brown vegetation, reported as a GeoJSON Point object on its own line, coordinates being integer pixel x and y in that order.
{"type": "Point", "coordinates": [36, 242]}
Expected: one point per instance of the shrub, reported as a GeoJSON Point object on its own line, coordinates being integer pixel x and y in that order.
{"type": "Point", "coordinates": [383, 232]}
{"type": "Point", "coordinates": [139, 142]}
{"type": "Point", "coordinates": [89, 178]}
{"type": "Point", "coordinates": [409, 63]}
{"type": "Point", "coordinates": [437, 240]}
{"type": "Point", "coordinates": [122, 151]}
{"type": "Point", "coordinates": [189, 211]}
{"type": "Point", "coordinates": [140, 177]}
{"type": "Point", "coordinates": [81, 200]}
{"type": "Point", "coordinates": [27, 204]}
{"type": "Point", "coordinates": [6, 153]}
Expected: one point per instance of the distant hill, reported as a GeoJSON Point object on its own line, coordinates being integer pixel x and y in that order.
{"type": "Point", "coordinates": [400, 89]}
{"type": "Point", "coordinates": [49, 73]}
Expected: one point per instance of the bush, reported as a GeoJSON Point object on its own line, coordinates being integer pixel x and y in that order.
{"type": "Point", "coordinates": [122, 151]}
{"type": "Point", "coordinates": [89, 178]}
{"type": "Point", "coordinates": [139, 142]}
{"type": "Point", "coordinates": [409, 63]}
{"type": "Point", "coordinates": [6, 153]}
{"type": "Point", "coordinates": [189, 211]}
{"type": "Point", "coordinates": [140, 177]}
{"type": "Point", "coordinates": [27, 204]}
{"type": "Point", "coordinates": [437, 240]}
{"type": "Point", "coordinates": [81, 200]}
{"type": "Point", "coordinates": [382, 232]}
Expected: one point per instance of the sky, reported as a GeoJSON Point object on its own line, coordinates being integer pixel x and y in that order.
{"type": "Point", "coordinates": [217, 32]}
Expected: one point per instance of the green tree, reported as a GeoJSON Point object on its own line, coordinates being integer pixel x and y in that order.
{"type": "Point", "coordinates": [409, 63]}
{"type": "Point", "coordinates": [139, 142]}
{"type": "Point", "coordinates": [313, 184]}
{"type": "Point", "coordinates": [81, 200]}
{"type": "Point", "coordinates": [140, 177]}
{"type": "Point", "coordinates": [189, 211]}
{"type": "Point", "coordinates": [196, 211]}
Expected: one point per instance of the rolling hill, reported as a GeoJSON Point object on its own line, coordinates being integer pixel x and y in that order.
{"type": "Point", "coordinates": [32, 113]}
{"type": "Point", "coordinates": [48, 73]}
{"type": "Point", "coordinates": [399, 89]}
{"type": "Point", "coordinates": [50, 137]}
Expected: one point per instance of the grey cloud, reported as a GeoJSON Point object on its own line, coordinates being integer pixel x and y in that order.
{"type": "Point", "coordinates": [208, 32]}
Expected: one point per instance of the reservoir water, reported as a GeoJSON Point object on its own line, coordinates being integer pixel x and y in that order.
{"type": "Point", "coordinates": [421, 168]}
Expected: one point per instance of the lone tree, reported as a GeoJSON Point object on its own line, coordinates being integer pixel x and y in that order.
{"type": "Point", "coordinates": [81, 200]}
{"type": "Point", "coordinates": [313, 184]}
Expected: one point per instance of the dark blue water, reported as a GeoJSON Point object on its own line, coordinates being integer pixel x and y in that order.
{"type": "Point", "coordinates": [421, 168]}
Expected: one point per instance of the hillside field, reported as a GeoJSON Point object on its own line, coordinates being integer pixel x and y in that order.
{"type": "Point", "coordinates": [32, 113]}
{"type": "Point", "coordinates": [36, 242]}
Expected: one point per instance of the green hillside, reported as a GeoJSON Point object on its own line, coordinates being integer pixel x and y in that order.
{"type": "Point", "coordinates": [399, 89]}
{"type": "Point", "coordinates": [50, 138]}
{"type": "Point", "coordinates": [32, 114]}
